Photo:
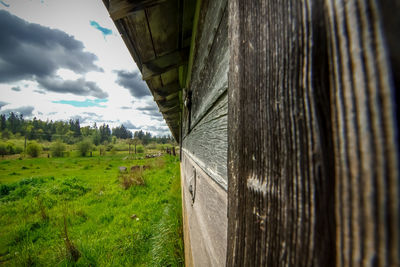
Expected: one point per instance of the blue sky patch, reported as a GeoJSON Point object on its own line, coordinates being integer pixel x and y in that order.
{"type": "Point", "coordinates": [103, 30]}
{"type": "Point", "coordinates": [4, 4]}
{"type": "Point", "coordinates": [83, 104]}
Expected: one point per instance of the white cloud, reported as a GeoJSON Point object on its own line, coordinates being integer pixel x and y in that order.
{"type": "Point", "coordinates": [74, 18]}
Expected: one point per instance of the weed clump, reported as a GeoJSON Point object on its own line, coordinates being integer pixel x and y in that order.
{"type": "Point", "coordinates": [70, 188]}
{"type": "Point", "coordinates": [130, 179]}
{"type": "Point", "coordinates": [42, 209]}
{"type": "Point", "coordinates": [73, 252]}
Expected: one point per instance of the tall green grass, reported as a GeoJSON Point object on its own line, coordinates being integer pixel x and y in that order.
{"type": "Point", "coordinates": [51, 207]}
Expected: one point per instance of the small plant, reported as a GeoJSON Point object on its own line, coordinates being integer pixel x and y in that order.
{"type": "Point", "coordinates": [57, 149]}
{"type": "Point", "coordinates": [42, 209]}
{"type": "Point", "coordinates": [84, 147]}
{"type": "Point", "coordinates": [72, 251]}
{"type": "Point", "coordinates": [33, 149]}
{"type": "Point", "coordinates": [132, 178]}
{"type": "Point", "coordinates": [102, 150]}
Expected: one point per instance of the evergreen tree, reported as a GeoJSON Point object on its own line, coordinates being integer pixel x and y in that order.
{"type": "Point", "coordinates": [3, 122]}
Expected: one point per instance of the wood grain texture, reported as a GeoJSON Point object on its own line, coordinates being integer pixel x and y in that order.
{"type": "Point", "coordinates": [157, 34]}
{"type": "Point", "coordinates": [205, 216]}
{"type": "Point", "coordinates": [186, 233]}
{"type": "Point", "coordinates": [312, 156]}
{"type": "Point", "coordinates": [366, 163]}
{"type": "Point", "coordinates": [210, 68]}
{"type": "Point", "coordinates": [122, 8]}
{"type": "Point", "coordinates": [207, 143]}
{"type": "Point", "coordinates": [164, 26]}
{"type": "Point", "coordinates": [137, 29]}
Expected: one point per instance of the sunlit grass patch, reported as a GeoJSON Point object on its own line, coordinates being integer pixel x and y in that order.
{"type": "Point", "coordinates": [50, 215]}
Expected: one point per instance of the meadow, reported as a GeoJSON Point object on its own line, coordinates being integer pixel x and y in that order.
{"type": "Point", "coordinates": [83, 211]}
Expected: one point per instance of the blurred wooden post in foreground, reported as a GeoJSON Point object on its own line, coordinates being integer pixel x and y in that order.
{"type": "Point", "coordinates": [313, 175]}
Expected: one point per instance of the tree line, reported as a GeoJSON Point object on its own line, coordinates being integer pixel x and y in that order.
{"type": "Point", "coordinates": [70, 132]}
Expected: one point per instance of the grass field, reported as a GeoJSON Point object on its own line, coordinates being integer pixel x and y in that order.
{"type": "Point", "coordinates": [81, 211]}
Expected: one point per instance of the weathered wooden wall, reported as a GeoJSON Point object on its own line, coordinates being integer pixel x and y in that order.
{"type": "Point", "coordinates": [313, 151]}
{"type": "Point", "coordinates": [205, 220]}
{"type": "Point", "coordinates": [205, 139]}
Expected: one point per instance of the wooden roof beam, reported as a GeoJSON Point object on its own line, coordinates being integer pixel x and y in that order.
{"type": "Point", "coordinates": [167, 89]}
{"type": "Point", "coordinates": [171, 116]}
{"type": "Point", "coordinates": [159, 97]}
{"type": "Point", "coordinates": [166, 110]}
{"type": "Point", "coordinates": [164, 63]}
{"type": "Point", "coordinates": [119, 9]}
{"type": "Point", "coordinates": [168, 92]}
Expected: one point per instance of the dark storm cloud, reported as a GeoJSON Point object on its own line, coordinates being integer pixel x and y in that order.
{"type": "Point", "coordinates": [153, 113]}
{"type": "Point", "coordinates": [16, 88]}
{"type": "Point", "coordinates": [77, 87]}
{"type": "Point", "coordinates": [40, 92]}
{"type": "Point", "coordinates": [148, 108]}
{"type": "Point", "coordinates": [80, 118]}
{"type": "Point", "coordinates": [158, 118]}
{"type": "Point", "coordinates": [29, 50]}
{"type": "Point", "coordinates": [88, 117]}
{"type": "Point", "coordinates": [93, 117]}
{"type": "Point", "coordinates": [2, 104]}
{"type": "Point", "coordinates": [130, 126]}
{"type": "Point", "coordinates": [158, 130]}
{"type": "Point", "coordinates": [33, 52]}
{"type": "Point", "coordinates": [151, 109]}
{"type": "Point", "coordinates": [133, 82]}
{"type": "Point", "coordinates": [92, 114]}
{"type": "Point", "coordinates": [25, 110]}
{"type": "Point", "coordinates": [4, 4]}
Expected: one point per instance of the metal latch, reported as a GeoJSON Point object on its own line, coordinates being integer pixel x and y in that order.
{"type": "Point", "coordinates": [192, 185]}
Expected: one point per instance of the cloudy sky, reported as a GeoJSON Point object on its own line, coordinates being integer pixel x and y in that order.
{"type": "Point", "coordinates": [62, 59]}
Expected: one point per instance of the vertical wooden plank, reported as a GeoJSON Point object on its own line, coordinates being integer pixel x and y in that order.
{"type": "Point", "coordinates": [312, 154]}
{"type": "Point", "coordinates": [365, 147]}
{"type": "Point", "coordinates": [138, 30]}
{"type": "Point", "coordinates": [278, 157]}
{"type": "Point", "coordinates": [205, 205]}
{"type": "Point", "coordinates": [164, 26]}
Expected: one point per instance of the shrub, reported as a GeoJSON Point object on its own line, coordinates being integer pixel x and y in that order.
{"type": "Point", "coordinates": [109, 147]}
{"type": "Point", "coordinates": [57, 149]}
{"type": "Point", "coordinates": [84, 147]}
{"type": "Point", "coordinates": [102, 150]}
{"type": "Point", "coordinates": [6, 134]}
{"type": "Point", "coordinates": [3, 149]}
{"type": "Point", "coordinates": [129, 179]}
{"type": "Point", "coordinates": [151, 146]}
{"type": "Point", "coordinates": [18, 150]}
{"type": "Point", "coordinates": [33, 149]}
{"type": "Point", "coordinates": [139, 149]}
{"type": "Point", "coordinates": [10, 148]}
